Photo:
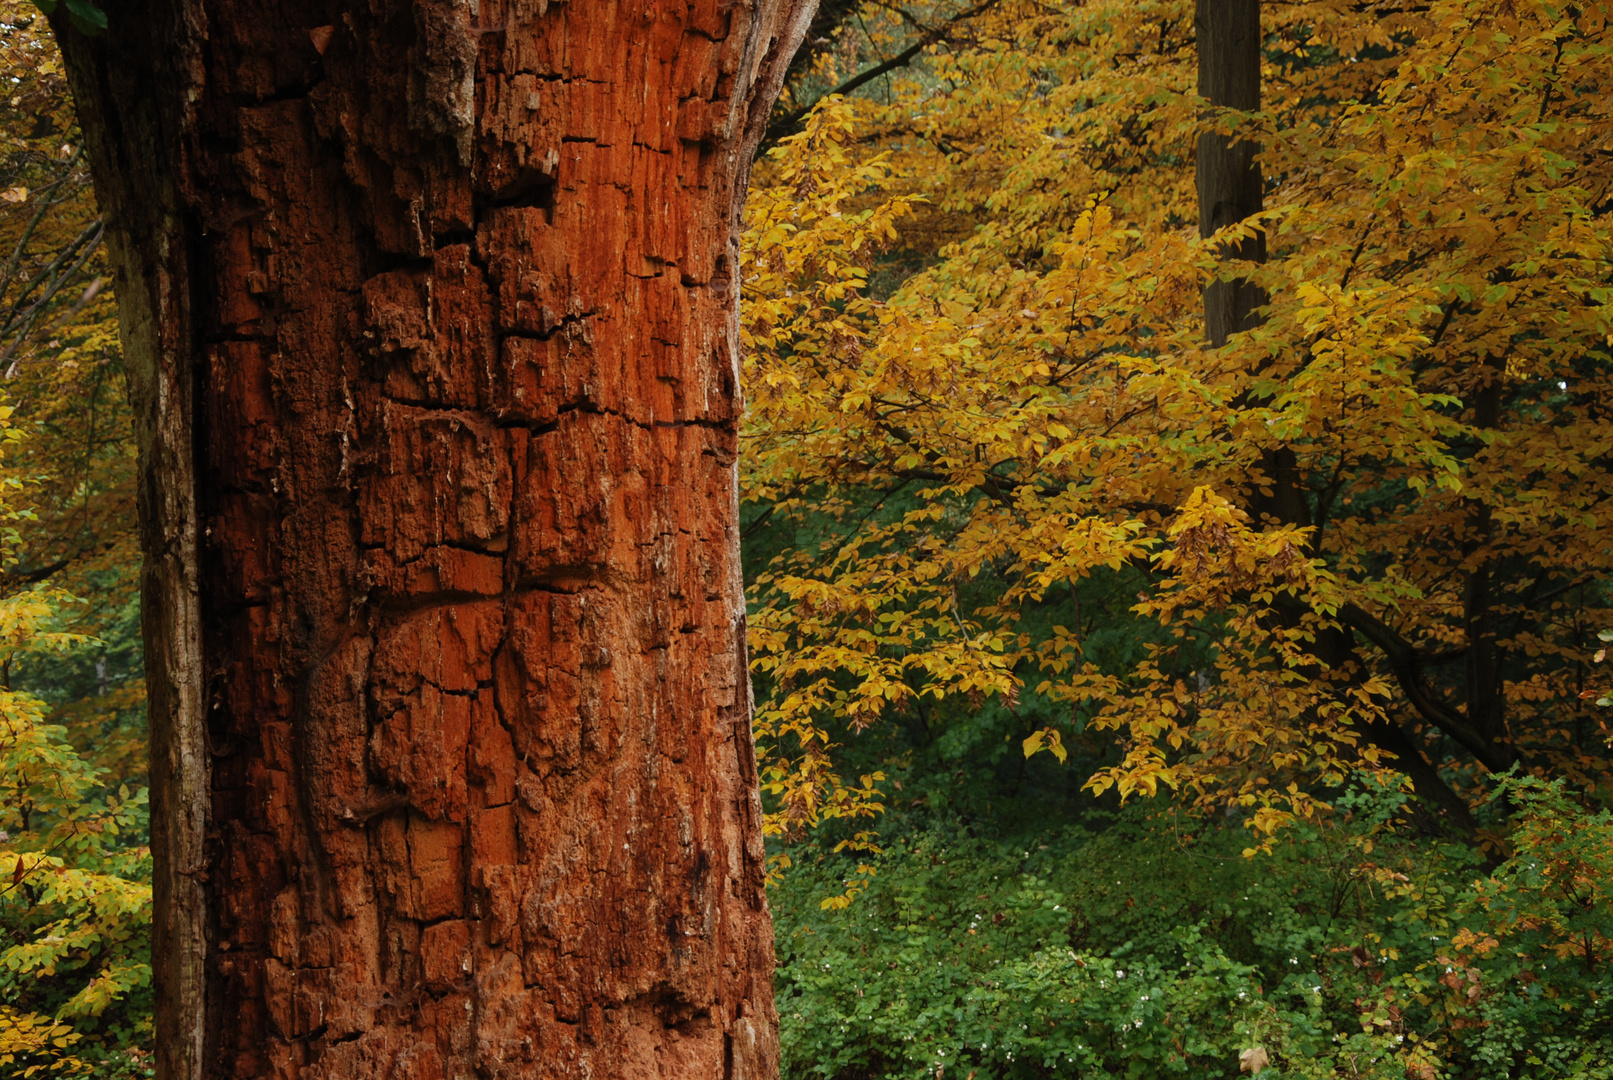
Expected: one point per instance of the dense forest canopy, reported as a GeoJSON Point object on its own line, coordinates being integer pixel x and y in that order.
{"type": "Point", "coordinates": [1127, 705]}
{"type": "Point", "coordinates": [1380, 514]}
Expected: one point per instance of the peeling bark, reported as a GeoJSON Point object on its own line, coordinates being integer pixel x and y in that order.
{"type": "Point", "coordinates": [430, 314]}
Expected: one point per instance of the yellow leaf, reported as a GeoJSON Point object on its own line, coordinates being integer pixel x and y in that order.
{"type": "Point", "coordinates": [1046, 739]}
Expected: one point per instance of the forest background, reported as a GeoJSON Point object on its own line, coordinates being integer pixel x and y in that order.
{"type": "Point", "coordinates": [1126, 706]}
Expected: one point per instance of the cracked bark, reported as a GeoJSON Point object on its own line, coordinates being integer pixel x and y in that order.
{"type": "Point", "coordinates": [430, 313]}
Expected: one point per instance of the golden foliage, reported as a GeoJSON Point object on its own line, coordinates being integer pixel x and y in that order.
{"type": "Point", "coordinates": [1036, 407]}
{"type": "Point", "coordinates": [74, 867]}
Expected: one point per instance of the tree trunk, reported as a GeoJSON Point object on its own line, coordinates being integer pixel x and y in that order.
{"type": "Point", "coordinates": [1230, 189]}
{"type": "Point", "coordinates": [430, 316]}
{"type": "Point", "coordinates": [1227, 169]}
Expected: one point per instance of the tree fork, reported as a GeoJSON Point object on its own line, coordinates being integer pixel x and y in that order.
{"type": "Point", "coordinates": [429, 312]}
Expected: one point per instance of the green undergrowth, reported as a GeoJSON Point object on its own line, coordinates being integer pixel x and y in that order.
{"type": "Point", "coordinates": [1143, 944]}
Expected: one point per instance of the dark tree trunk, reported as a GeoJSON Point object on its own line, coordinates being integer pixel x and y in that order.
{"type": "Point", "coordinates": [430, 315]}
{"type": "Point", "coordinates": [1231, 189]}
{"type": "Point", "coordinates": [1227, 169]}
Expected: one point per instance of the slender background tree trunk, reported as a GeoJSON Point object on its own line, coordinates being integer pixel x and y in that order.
{"type": "Point", "coordinates": [430, 316]}
{"type": "Point", "coordinates": [1227, 168]}
{"type": "Point", "coordinates": [1230, 189]}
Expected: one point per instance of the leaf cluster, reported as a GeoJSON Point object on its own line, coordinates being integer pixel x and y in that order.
{"type": "Point", "coordinates": [1150, 947]}
{"type": "Point", "coordinates": [1372, 531]}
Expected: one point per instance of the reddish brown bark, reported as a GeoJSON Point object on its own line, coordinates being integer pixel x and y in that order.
{"type": "Point", "coordinates": [431, 311]}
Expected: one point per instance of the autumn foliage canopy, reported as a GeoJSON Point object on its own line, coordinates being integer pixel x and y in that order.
{"type": "Point", "coordinates": [1368, 535]}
